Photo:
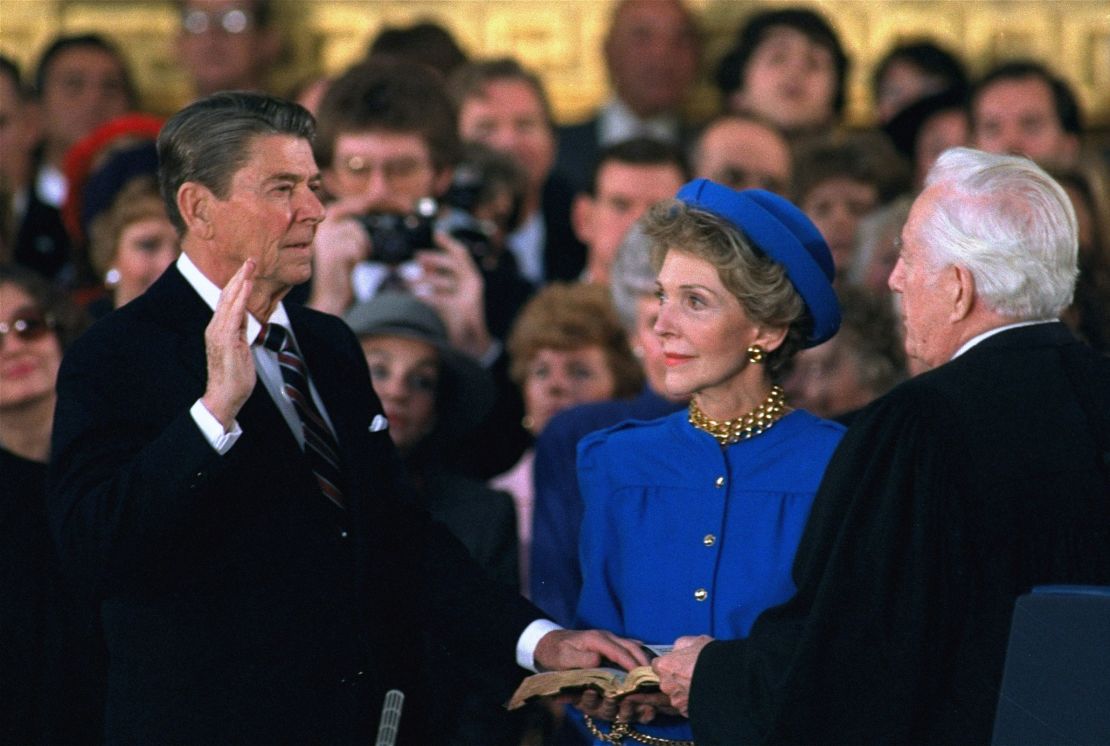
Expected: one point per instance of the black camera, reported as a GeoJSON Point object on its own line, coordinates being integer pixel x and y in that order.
{"type": "Point", "coordinates": [466, 192]}
{"type": "Point", "coordinates": [394, 239]}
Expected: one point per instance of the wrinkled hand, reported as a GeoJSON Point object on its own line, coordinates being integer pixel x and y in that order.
{"type": "Point", "coordinates": [452, 284]}
{"type": "Point", "coordinates": [676, 670]}
{"type": "Point", "coordinates": [231, 375]}
{"type": "Point", "coordinates": [563, 648]}
{"type": "Point", "coordinates": [340, 244]}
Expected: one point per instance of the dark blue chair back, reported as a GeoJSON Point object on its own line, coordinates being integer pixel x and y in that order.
{"type": "Point", "coordinates": [1056, 683]}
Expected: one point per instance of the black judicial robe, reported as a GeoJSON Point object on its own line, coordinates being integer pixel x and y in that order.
{"type": "Point", "coordinates": [947, 499]}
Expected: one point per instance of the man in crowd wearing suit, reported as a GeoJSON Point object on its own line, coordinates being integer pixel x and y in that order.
{"type": "Point", "coordinates": [224, 482]}
{"type": "Point", "coordinates": [651, 53]}
{"type": "Point", "coordinates": [949, 497]}
{"type": "Point", "coordinates": [504, 106]}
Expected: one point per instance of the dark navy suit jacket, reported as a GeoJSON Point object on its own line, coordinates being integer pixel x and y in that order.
{"type": "Point", "coordinates": [238, 604]}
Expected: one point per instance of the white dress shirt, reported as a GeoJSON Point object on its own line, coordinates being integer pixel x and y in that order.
{"type": "Point", "coordinates": [991, 332]}
{"type": "Point", "coordinates": [617, 123]}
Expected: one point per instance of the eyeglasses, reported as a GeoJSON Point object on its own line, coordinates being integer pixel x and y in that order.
{"type": "Point", "coordinates": [234, 21]}
{"type": "Point", "coordinates": [28, 325]}
{"type": "Point", "coordinates": [393, 170]}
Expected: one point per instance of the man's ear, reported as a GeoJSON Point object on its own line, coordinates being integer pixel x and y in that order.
{"type": "Point", "coordinates": [960, 290]}
{"type": "Point", "coordinates": [195, 202]}
{"type": "Point", "coordinates": [582, 218]}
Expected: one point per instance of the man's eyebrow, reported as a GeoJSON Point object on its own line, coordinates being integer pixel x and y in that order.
{"type": "Point", "coordinates": [293, 177]}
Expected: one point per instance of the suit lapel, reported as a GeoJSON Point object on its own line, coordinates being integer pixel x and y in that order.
{"type": "Point", "coordinates": [182, 311]}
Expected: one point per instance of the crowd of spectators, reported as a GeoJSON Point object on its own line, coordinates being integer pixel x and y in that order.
{"type": "Point", "coordinates": [489, 257]}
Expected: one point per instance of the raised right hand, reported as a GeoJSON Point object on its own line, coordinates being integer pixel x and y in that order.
{"type": "Point", "coordinates": [231, 374]}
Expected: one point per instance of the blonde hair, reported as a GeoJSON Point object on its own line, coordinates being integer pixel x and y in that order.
{"type": "Point", "coordinates": [139, 199]}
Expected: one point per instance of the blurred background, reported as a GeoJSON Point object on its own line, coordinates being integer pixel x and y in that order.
{"type": "Point", "coordinates": [561, 39]}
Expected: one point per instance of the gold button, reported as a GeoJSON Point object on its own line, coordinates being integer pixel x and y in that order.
{"type": "Point", "coordinates": [709, 540]}
{"type": "Point", "coordinates": [720, 482]}
{"type": "Point", "coordinates": [701, 594]}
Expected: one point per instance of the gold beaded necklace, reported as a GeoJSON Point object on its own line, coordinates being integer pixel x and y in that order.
{"type": "Point", "coordinates": [745, 426]}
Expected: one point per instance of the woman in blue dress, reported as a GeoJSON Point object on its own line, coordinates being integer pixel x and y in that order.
{"type": "Point", "coordinates": [692, 520]}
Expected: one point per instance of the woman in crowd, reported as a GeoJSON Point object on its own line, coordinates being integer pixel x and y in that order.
{"type": "Point", "coordinates": [701, 535]}
{"type": "Point", "coordinates": [131, 240]}
{"type": "Point", "coordinates": [567, 347]}
{"type": "Point", "coordinates": [433, 395]}
{"type": "Point", "coordinates": [912, 71]}
{"type": "Point", "coordinates": [36, 323]}
{"type": "Point", "coordinates": [861, 363]}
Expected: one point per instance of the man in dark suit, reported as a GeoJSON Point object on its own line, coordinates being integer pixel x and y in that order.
{"type": "Point", "coordinates": [223, 480]}
{"type": "Point", "coordinates": [504, 106]}
{"type": "Point", "coordinates": [948, 498]}
{"type": "Point", "coordinates": [652, 51]}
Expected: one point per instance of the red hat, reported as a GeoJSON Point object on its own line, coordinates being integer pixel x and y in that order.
{"type": "Point", "coordinates": [84, 155]}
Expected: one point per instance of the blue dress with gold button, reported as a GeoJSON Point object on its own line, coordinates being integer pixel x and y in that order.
{"type": "Point", "coordinates": [683, 537]}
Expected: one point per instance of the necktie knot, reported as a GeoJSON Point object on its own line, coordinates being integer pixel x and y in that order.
{"type": "Point", "coordinates": [273, 337]}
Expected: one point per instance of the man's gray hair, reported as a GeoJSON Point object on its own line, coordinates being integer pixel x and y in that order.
{"type": "Point", "coordinates": [1010, 224]}
{"type": "Point", "coordinates": [210, 139]}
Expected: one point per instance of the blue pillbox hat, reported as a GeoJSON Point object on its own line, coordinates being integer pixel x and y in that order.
{"type": "Point", "coordinates": [784, 234]}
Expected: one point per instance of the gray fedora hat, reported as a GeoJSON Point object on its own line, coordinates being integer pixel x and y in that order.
{"type": "Point", "coordinates": [466, 393]}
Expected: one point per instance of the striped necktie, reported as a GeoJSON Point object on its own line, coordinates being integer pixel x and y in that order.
{"type": "Point", "coordinates": [320, 443]}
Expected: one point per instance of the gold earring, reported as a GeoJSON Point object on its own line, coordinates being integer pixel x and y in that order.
{"type": "Point", "coordinates": [756, 354]}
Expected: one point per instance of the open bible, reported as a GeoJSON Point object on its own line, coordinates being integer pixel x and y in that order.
{"type": "Point", "coordinates": [610, 682]}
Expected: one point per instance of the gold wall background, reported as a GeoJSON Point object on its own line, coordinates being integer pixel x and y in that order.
{"type": "Point", "coordinates": [561, 39]}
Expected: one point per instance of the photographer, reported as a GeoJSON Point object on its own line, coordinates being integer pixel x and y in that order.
{"type": "Point", "coordinates": [387, 147]}
{"type": "Point", "coordinates": [387, 144]}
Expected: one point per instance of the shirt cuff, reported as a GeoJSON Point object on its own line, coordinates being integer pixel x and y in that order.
{"type": "Point", "coordinates": [529, 639]}
{"type": "Point", "coordinates": [213, 431]}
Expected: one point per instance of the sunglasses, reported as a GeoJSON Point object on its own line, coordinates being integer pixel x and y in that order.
{"type": "Point", "coordinates": [28, 325]}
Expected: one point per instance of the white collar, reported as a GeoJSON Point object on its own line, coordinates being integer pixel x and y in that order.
{"type": "Point", "coordinates": [210, 294]}
{"type": "Point", "coordinates": [991, 332]}
{"type": "Point", "coordinates": [618, 122]}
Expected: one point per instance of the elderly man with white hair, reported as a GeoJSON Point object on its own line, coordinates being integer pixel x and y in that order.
{"type": "Point", "coordinates": [949, 497]}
